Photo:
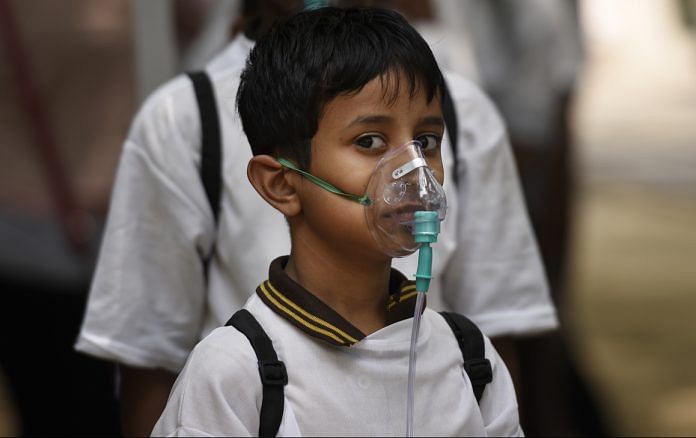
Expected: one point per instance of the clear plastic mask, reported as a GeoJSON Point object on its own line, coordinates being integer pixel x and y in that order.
{"type": "Point", "coordinates": [401, 184]}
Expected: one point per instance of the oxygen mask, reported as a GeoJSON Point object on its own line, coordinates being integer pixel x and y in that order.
{"type": "Point", "coordinates": [402, 184]}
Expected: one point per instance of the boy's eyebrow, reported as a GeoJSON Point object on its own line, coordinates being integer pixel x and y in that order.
{"type": "Point", "coordinates": [431, 120]}
{"type": "Point", "coordinates": [369, 119]}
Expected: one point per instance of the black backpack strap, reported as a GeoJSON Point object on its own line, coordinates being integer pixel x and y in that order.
{"type": "Point", "coordinates": [449, 113]}
{"type": "Point", "coordinates": [470, 340]}
{"type": "Point", "coordinates": [211, 145]}
{"type": "Point", "coordinates": [272, 371]}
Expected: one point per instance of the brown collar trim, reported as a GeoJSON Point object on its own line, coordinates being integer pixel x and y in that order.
{"type": "Point", "coordinates": [311, 315]}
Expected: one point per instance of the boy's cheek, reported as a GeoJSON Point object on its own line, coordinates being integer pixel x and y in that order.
{"type": "Point", "coordinates": [439, 176]}
{"type": "Point", "coordinates": [342, 222]}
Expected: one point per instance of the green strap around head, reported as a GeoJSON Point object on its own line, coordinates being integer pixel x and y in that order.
{"type": "Point", "coordinates": [364, 200]}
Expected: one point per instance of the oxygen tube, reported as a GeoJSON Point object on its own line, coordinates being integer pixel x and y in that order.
{"type": "Point", "coordinates": [426, 227]}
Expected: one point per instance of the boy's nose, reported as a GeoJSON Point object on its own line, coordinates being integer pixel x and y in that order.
{"type": "Point", "coordinates": [435, 165]}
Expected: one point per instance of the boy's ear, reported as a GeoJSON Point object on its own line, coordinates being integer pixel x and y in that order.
{"type": "Point", "coordinates": [269, 179]}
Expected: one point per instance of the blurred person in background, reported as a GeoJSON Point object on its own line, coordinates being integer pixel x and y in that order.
{"type": "Point", "coordinates": [529, 55]}
{"type": "Point", "coordinates": [169, 272]}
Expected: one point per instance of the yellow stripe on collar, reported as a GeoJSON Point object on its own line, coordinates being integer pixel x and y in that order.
{"type": "Point", "coordinates": [402, 298]}
{"type": "Point", "coordinates": [310, 316]}
{"type": "Point", "coordinates": [409, 287]}
{"type": "Point", "coordinates": [336, 336]}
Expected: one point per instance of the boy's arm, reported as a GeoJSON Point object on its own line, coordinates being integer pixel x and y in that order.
{"type": "Point", "coordinates": [143, 396]}
{"type": "Point", "coordinates": [499, 407]}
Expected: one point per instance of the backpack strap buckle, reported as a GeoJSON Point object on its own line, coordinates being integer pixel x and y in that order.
{"type": "Point", "coordinates": [471, 343]}
{"type": "Point", "coordinates": [273, 373]}
{"type": "Point", "coordinates": [479, 371]}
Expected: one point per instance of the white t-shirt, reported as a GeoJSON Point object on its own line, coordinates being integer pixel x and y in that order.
{"type": "Point", "coordinates": [333, 390]}
{"type": "Point", "coordinates": [149, 304]}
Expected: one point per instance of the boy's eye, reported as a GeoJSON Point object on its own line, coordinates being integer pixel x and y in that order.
{"type": "Point", "coordinates": [371, 142]}
{"type": "Point", "coordinates": [429, 141]}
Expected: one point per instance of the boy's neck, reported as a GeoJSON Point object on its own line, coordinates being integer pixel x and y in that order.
{"type": "Point", "coordinates": [356, 289]}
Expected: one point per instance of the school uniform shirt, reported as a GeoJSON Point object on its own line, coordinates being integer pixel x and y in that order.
{"type": "Point", "coordinates": [340, 382]}
{"type": "Point", "coordinates": [150, 302]}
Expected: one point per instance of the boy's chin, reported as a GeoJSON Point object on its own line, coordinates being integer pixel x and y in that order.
{"type": "Point", "coordinates": [400, 244]}
{"type": "Point", "coordinates": [403, 253]}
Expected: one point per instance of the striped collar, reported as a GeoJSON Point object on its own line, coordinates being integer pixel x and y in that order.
{"type": "Point", "coordinates": [311, 315]}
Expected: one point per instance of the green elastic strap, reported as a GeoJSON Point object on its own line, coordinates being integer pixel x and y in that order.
{"type": "Point", "coordinates": [363, 200]}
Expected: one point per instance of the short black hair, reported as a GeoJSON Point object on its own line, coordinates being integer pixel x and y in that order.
{"type": "Point", "coordinates": [315, 56]}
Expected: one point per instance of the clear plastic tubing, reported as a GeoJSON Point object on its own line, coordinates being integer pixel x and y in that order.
{"type": "Point", "coordinates": [420, 300]}
{"type": "Point", "coordinates": [425, 231]}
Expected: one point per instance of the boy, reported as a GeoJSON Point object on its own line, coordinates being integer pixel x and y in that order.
{"type": "Point", "coordinates": [333, 91]}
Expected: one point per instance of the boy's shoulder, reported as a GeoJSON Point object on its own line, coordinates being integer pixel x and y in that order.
{"type": "Point", "coordinates": [224, 358]}
{"type": "Point", "coordinates": [217, 392]}
{"type": "Point", "coordinates": [230, 347]}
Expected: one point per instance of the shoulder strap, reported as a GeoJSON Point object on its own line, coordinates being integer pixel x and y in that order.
{"type": "Point", "coordinates": [211, 146]}
{"type": "Point", "coordinates": [272, 371]}
{"type": "Point", "coordinates": [449, 113]}
{"type": "Point", "coordinates": [470, 340]}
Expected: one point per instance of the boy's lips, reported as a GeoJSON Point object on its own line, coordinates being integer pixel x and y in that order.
{"type": "Point", "coordinates": [404, 213]}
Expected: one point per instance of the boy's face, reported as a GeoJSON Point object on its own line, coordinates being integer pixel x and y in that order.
{"type": "Point", "coordinates": [354, 132]}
